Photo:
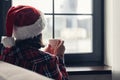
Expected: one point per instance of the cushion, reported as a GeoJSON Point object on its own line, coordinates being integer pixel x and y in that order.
{"type": "Point", "coordinates": [12, 72]}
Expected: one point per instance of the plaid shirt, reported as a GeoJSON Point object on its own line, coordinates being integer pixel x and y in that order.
{"type": "Point", "coordinates": [38, 61]}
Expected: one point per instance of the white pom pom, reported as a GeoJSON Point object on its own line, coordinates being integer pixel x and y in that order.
{"type": "Point", "coordinates": [8, 41]}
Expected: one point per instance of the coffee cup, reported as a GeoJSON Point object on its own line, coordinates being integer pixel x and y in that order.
{"type": "Point", "coordinates": [54, 43]}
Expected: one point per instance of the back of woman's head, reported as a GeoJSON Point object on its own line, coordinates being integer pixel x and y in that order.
{"type": "Point", "coordinates": [23, 22]}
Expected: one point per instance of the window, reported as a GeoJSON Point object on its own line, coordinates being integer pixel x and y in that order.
{"type": "Point", "coordinates": [4, 6]}
{"type": "Point", "coordinates": [79, 23]}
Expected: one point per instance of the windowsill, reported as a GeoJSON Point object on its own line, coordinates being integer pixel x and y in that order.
{"type": "Point", "coordinates": [89, 70]}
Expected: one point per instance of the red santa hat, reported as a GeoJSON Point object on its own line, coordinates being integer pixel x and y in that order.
{"type": "Point", "coordinates": [23, 22]}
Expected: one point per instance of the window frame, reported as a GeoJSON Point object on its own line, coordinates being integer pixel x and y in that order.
{"type": "Point", "coordinates": [88, 59]}
{"type": "Point", "coordinates": [4, 6]}
{"type": "Point", "coordinates": [96, 58]}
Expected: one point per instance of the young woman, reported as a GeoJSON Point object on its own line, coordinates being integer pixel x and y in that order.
{"type": "Point", "coordinates": [26, 23]}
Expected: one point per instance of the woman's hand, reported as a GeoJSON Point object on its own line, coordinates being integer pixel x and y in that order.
{"type": "Point", "coordinates": [49, 49]}
{"type": "Point", "coordinates": [60, 49]}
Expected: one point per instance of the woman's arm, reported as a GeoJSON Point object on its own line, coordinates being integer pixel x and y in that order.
{"type": "Point", "coordinates": [62, 67]}
{"type": "Point", "coordinates": [59, 52]}
{"type": "Point", "coordinates": [51, 68]}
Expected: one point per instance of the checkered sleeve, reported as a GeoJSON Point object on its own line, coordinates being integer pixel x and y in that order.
{"type": "Point", "coordinates": [50, 68]}
{"type": "Point", "coordinates": [62, 68]}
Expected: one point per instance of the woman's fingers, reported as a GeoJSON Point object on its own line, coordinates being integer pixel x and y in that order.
{"type": "Point", "coordinates": [59, 51]}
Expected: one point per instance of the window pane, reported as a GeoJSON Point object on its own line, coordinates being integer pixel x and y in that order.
{"type": "Point", "coordinates": [76, 31]}
{"type": "Point", "coordinates": [73, 6]}
{"type": "Point", "coordinates": [47, 32]}
{"type": "Point", "coordinates": [43, 5]}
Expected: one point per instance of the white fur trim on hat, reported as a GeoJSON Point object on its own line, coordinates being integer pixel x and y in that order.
{"type": "Point", "coordinates": [30, 31]}
{"type": "Point", "coordinates": [8, 42]}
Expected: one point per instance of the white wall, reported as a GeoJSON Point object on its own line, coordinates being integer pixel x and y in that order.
{"type": "Point", "coordinates": [112, 37]}
{"type": "Point", "coordinates": [108, 31]}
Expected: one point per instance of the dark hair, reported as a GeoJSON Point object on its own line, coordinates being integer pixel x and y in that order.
{"type": "Point", "coordinates": [41, 40]}
{"type": "Point", "coordinates": [34, 42]}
